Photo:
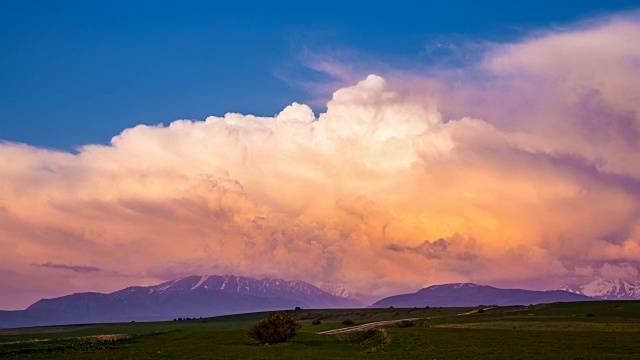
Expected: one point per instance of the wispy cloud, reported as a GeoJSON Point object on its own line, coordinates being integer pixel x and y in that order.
{"type": "Point", "coordinates": [74, 268]}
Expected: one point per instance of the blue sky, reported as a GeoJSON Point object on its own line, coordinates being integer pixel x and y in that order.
{"type": "Point", "coordinates": [78, 72]}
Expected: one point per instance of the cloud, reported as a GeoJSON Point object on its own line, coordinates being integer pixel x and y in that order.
{"type": "Point", "coordinates": [524, 173]}
{"type": "Point", "coordinates": [456, 247]}
{"type": "Point", "coordinates": [74, 268]}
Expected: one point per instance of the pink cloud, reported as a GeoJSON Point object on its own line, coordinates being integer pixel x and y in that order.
{"type": "Point", "coordinates": [527, 179]}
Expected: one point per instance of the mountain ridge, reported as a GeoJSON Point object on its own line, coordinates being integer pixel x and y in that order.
{"type": "Point", "coordinates": [607, 289]}
{"type": "Point", "coordinates": [212, 295]}
{"type": "Point", "coordinates": [470, 294]}
{"type": "Point", "coordinates": [189, 296]}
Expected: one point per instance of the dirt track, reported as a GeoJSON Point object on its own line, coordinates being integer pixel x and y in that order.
{"type": "Point", "coordinates": [43, 329]}
{"type": "Point", "coordinates": [366, 326]}
{"type": "Point", "coordinates": [388, 322]}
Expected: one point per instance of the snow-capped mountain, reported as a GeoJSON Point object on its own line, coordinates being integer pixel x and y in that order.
{"type": "Point", "coordinates": [306, 294]}
{"type": "Point", "coordinates": [191, 296]}
{"type": "Point", "coordinates": [343, 292]}
{"type": "Point", "coordinates": [337, 290]}
{"type": "Point", "coordinates": [607, 289]}
{"type": "Point", "coordinates": [467, 294]}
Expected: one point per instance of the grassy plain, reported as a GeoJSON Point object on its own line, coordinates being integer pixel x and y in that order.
{"type": "Point", "coordinates": [590, 330]}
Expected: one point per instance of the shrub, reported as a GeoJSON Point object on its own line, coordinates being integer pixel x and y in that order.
{"type": "Point", "coordinates": [315, 322]}
{"type": "Point", "coordinates": [348, 322]}
{"type": "Point", "coordinates": [372, 339]}
{"type": "Point", "coordinates": [375, 339]}
{"type": "Point", "coordinates": [275, 328]}
{"type": "Point", "coordinates": [405, 323]}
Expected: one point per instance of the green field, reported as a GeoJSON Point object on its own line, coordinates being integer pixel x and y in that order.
{"type": "Point", "coordinates": [588, 330]}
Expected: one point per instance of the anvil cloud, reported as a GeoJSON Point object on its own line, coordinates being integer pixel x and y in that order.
{"type": "Point", "coordinates": [523, 169]}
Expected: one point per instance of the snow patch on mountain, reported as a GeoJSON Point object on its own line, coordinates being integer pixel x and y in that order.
{"type": "Point", "coordinates": [203, 278]}
{"type": "Point", "coordinates": [462, 285]}
{"type": "Point", "coordinates": [342, 291]}
{"type": "Point", "coordinates": [570, 289]}
{"type": "Point", "coordinates": [337, 290]}
{"type": "Point", "coordinates": [160, 288]}
{"type": "Point", "coordinates": [607, 289]}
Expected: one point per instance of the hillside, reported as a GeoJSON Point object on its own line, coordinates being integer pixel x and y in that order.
{"type": "Point", "coordinates": [597, 329]}
{"type": "Point", "coordinates": [192, 296]}
{"type": "Point", "coordinates": [468, 294]}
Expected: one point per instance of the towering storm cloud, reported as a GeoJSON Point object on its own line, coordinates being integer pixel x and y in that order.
{"type": "Point", "coordinates": [523, 169]}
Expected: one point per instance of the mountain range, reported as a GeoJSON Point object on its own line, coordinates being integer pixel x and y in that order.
{"type": "Point", "coordinates": [192, 296]}
{"type": "Point", "coordinates": [467, 294]}
{"type": "Point", "coordinates": [607, 289]}
{"type": "Point", "coordinates": [213, 295]}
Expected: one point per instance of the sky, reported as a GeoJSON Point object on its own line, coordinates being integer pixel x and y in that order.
{"type": "Point", "coordinates": [384, 147]}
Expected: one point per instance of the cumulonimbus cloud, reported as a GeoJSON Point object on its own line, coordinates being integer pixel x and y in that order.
{"type": "Point", "coordinates": [530, 177]}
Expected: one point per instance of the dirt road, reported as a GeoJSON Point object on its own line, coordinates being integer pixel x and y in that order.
{"type": "Point", "coordinates": [366, 326]}
{"type": "Point", "coordinates": [388, 322]}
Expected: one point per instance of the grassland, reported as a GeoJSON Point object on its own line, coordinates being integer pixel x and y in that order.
{"type": "Point", "coordinates": [591, 330]}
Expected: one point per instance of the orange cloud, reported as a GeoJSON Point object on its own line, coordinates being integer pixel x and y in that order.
{"type": "Point", "coordinates": [381, 193]}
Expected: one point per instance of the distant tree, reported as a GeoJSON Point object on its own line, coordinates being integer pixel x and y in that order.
{"type": "Point", "coordinates": [275, 328]}
{"type": "Point", "coordinates": [348, 322]}
{"type": "Point", "coordinates": [298, 308]}
{"type": "Point", "coordinates": [315, 322]}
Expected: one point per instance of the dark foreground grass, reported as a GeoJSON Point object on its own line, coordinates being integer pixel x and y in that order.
{"type": "Point", "coordinates": [556, 331]}
{"type": "Point", "coordinates": [437, 343]}
{"type": "Point", "coordinates": [406, 343]}
{"type": "Point", "coordinates": [193, 344]}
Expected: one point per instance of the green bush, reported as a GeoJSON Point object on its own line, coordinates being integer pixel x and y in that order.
{"type": "Point", "coordinates": [372, 340]}
{"type": "Point", "coordinates": [275, 328]}
{"type": "Point", "coordinates": [406, 323]}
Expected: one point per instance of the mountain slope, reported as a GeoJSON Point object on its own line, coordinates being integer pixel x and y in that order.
{"type": "Point", "coordinates": [337, 290]}
{"type": "Point", "coordinates": [473, 295]}
{"type": "Point", "coordinates": [192, 296]}
{"type": "Point", "coordinates": [607, 289]}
